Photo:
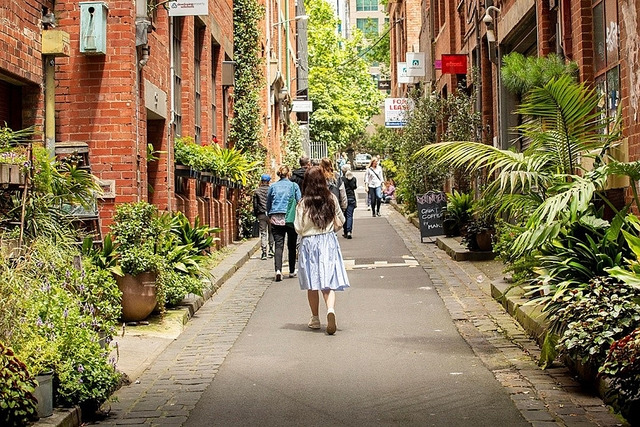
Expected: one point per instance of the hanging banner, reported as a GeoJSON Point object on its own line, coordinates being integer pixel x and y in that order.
{"type": "Point", "coordinates": [416, 64]}
{"type": "Point", "coordinates": [403, 77]}
{"type": "Point", "coordinates": [396, 112]}
{"type": "Point", "coordinates": [188, 7]}
{"type": "Point", "coordinates": [454, 64]}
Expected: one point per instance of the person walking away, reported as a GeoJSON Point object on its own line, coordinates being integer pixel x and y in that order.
{"type": "Point", "coordinates": [342, 160]}
{"type": "Point", "coordinates": [260, 212]}
{"type": "Point", "coordinates": [321, 267]}
{"type": "Point", "coordinates": [350, 184]}
{"type": "Point", "coordinates": [389, 192]}
{"type": "Point", "coordinates": [334, 183]}
{"type": "Point", "coordinates": [277, 202]}
{"type": "Point", "coordinates": [373, 180]}
{"type": "Point", "coordinates": [297, 175]}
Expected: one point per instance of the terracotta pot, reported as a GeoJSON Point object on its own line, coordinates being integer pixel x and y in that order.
{"type": "Point", "coordinates": [138, 295]}
{"type": "Point", "coordinates": [484, 241]}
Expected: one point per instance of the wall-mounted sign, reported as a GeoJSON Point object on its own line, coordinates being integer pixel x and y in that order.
{"type": "Point", "coordinates": [454, 64]}
{"type": "Point", "coordinates": [396, 111]}
{"type": "Point", "coordinates": [188, 7]}
{"type": "Point", "coordinates": [403, 77]}
{"type": "Point", "coordinates": [415, 64]}
{"type": "Point", "coordinates": [437, 64]}
{"type": "Point", "coordinates": [384, 84]}
{"type": "Point", "coordinates": [302, 106]}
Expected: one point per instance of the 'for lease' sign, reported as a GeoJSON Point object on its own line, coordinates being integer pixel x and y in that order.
{"type": "Point", "coordinates": [396, 111]}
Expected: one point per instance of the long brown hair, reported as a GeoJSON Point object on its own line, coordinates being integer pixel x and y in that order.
{"type": "Point", "coordinates": [317, 197]}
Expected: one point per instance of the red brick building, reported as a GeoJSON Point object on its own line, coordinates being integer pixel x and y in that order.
{"type": "Point", "coordinates": [601, 36]}
{"type": "Point", "coordinates": [122, 75]}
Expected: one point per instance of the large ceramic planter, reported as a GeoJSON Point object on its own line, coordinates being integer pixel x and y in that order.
{"type": "Point", "coordinates": [484, 240]}
{"type": "Point", "coordinates": [138, 295]}
{"type": "Point", "coordinates": [44, 394]}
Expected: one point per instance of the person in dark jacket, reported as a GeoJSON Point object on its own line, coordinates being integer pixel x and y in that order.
{"type": "Point", "coordinates": [260, 212]}
{"type": "Point", "coordinates": [297, 175]}
{"type": "Point", "coordinates": [350, 184]}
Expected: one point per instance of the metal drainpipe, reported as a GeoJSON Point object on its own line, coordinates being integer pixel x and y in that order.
{"type": "Point", "coordinates": [50, 105]}
{"type": "Point", "coordinates": [170, 182]}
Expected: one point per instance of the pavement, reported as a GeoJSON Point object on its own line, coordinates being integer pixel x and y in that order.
{"type": "Point", "coordinates": [171, 366]}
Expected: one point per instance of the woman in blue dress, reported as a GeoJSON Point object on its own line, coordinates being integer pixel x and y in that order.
{"type": "Point", "coordinates": [320, 265]}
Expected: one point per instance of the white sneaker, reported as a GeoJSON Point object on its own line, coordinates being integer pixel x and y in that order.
{"type": "Point", "coordinates": [331, 322]}
{"type": "Point", "coordinates": [294, 274]}
{"type": "Point", "coordinates": [314, 323]}
{"type": "Point", "coordinates": [278, 276]}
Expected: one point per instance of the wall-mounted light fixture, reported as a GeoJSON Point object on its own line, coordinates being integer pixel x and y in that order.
{"type": "Point", "coordinates": [491, 35]}
{"type": "Point", "coordinates": [295, 18]}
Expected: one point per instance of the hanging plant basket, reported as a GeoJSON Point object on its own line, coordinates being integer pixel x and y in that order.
{"type": "Point", "coordinates": [11, 174]}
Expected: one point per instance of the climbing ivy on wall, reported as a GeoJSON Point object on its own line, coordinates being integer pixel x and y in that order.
{"type": "Point", "coordinates": [246, 125]}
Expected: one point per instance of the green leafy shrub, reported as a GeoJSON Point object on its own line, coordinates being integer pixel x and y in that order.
{"type": "Point", "coordinates": [458, 213]}
{"type": "Point", "coordinates": [622, 365]}
{"type": "Point", "coordinates": [177, 285]}
{"type": "Point", "coordinates": [17, 401]}
{"type": "Point", "coordinates": [595, 316]}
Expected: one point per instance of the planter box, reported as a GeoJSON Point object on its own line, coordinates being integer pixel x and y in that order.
{"type": "Point", "coordinates": [11, 174]}
{"type": "Point", "coordinates": [182, 170]}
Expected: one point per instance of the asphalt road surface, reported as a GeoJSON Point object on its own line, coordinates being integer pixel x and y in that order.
{"type": "Point", "coordinates": [396, 359]}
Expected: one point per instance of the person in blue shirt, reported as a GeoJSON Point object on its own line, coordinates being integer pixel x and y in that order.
{"type": "Point", "coordinates": [277, 201]}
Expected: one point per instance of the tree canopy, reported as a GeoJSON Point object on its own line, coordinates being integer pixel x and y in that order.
{"type": "Point", "coordinates": [343, 93]}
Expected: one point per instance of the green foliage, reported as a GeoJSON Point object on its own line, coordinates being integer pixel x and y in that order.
{"type": "Point", "coordinates": [293, 146]}
{"type": "Point", "coordinates": [246, 125]}
{"type": "Point", "coordinates": [136, 230]}
{"type": "Point", "coordinates": [17, 401]}
{"type": "Point", "coordinates": [199, 236]}
{"type": "Point", "coordinates": [418, 175]}
{"type": "Point", "coordinates": [622, 365]}
{"type": "Point", "coordinates": [384, 141]}
{"type": "Point", "coordinates": [540, 184]}
{"type": "Point", "coordinates": [343, 93]}
{"type": "Point", "coordinates": [520, 74]}
{"type": "Point", "coordinates": [377, 46]}
{"type": "Point", "coordinates": [64, 308]}
{"type": "Point", "coordinates": [458, 213]}
{"type": "Point", "coordinates": [177, 285]}
{"type": "Point", "coordinates": [581, 252]}
{"type": "Point", "coordinates": [595, 316]}
{"type": "Point", "coordinates": [390, 169]}
{"type": "Point", "coordinates": [227, 163]}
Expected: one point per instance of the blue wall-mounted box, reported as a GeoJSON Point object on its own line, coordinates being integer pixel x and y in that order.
{"type": "Point", "coordinates": [93, 27]}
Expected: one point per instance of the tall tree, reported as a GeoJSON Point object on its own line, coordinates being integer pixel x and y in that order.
{"type": "Point", "coordinates": [343, 93]}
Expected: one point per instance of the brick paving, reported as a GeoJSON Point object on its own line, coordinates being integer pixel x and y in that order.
{"type": "Point", "coordinates": [169, 389]}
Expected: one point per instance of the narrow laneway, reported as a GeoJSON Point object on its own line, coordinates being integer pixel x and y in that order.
{"type": "Point", "coordinates": [418, 343]}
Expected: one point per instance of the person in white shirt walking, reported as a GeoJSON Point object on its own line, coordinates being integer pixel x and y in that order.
{"type": "Point", "coordinates": [373, 180]}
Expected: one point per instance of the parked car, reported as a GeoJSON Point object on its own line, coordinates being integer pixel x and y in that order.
{"type": "Point", "coordinates": [361, 161]}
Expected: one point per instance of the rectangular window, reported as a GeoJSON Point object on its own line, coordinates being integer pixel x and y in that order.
{"type": "Point", "coordinates": [606, 41]}
{"type": "Point", "coordinates": [368, 26]}
{"type": "Point", "coordinates": [177, 76]}
{"type": "Point", "coordinates": [366, 5]}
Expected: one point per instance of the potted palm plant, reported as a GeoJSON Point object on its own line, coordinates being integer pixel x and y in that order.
{"type": "Point", "coordinates": [136, 230]}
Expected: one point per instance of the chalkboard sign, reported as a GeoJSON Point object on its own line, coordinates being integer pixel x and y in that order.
{"type": "Point", "coordinates": [431, 207]}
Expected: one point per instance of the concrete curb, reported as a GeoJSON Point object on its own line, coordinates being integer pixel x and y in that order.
{"type": "Point", "coordinates": [72, 417]}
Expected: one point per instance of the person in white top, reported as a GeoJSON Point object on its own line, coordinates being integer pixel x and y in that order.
{"type": "Point", "coordinates": [320, 264]}
{"type": "Point", "coordinates": [373, 179]}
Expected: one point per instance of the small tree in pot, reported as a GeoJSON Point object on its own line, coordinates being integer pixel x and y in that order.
{"type": "Point", "coordinates": [136, 231]}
